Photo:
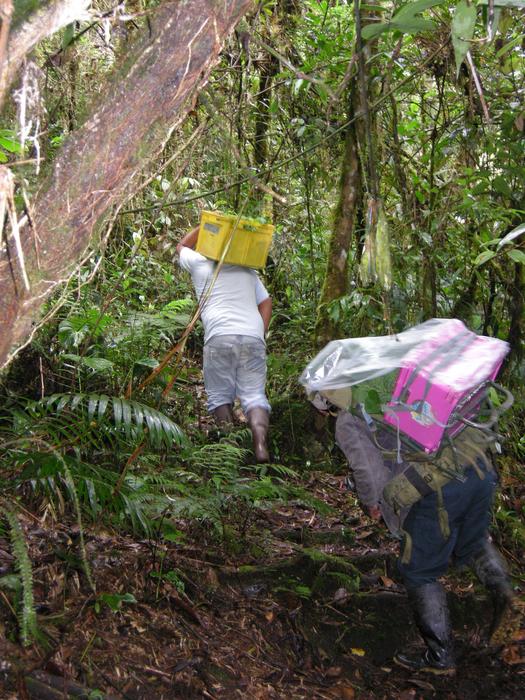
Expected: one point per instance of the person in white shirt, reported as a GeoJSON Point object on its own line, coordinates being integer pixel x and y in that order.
{"type": "Point", "coordinates": [235, 311]}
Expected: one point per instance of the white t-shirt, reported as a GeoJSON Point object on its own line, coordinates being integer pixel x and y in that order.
{"type": "Point", "coordinates": [231, 308]}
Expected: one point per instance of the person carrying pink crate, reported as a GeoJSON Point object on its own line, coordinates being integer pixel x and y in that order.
{"type": "Point", "coordinates": [439, 503]}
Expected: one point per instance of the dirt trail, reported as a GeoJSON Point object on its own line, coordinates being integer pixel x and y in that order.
{"type": "Point", "coordinates": [306, 606]}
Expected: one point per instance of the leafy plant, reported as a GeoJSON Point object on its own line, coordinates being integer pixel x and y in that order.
{"type": "Point", "coordinates": [405, 20]}
{"type": "Point", "coordinates": [26, 612]}
{"type": "Point", "coordinates": [113, 415]}
{"type": "Point", "coordinates": [9, 145]}
{"type": "Point", "coordinates": [114, 601]}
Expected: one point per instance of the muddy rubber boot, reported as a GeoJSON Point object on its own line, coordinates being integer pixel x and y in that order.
{"type": "Point", "coordinates": [489, 566]}
{"type": "Point", "coordinates": [224, 416]}
{"type": "Point", "coordinates": [259, 420]}
{"type": "Point", "coordinates": [431, 614]}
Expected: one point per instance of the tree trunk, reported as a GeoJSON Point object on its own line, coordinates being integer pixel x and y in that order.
{"type": "Point", "coordinates": [268, 67]}
{"type": "Point", "coordinates": [465, 304]}
{"type": "Point", "coordinates": [29, 31]}
{"type": "Point", "coordinates": [359, 146]}
{"type": "Point", "coordinates": [516, 308]}
{"type": "Point", "coordinates": [97, 163]}
{"type": "Point", "coordinates": [335, 283]}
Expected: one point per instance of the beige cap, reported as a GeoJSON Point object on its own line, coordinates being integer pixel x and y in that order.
{"type": "Point", "coordinates": [342, 398]}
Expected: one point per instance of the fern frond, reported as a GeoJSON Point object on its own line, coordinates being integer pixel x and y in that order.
{"type": "Point", "coordinates": [130, 417]}
{"type": "Point", "coordinates": [26, 614]}
{"type": "Point", "coordinates": [171, 319]}
{"type": "Point", "coordinates": [82, 544]}
{"type": "Point", "coordinates": [91, 488]}
{"type": "Point", "coordinates": [219, 456]}
{"type": "Point", "coordinates": [278, 469]}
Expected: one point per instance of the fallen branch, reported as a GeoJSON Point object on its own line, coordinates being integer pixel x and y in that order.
{"type": "Point", "coordinates": [43, 686]}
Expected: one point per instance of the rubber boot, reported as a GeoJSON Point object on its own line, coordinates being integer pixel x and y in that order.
{"type": "Point", "coordinates": [259, 420]}
{"type": "Point", "coordinates": [489, 566]}
{"type": "Point", "coordinates": [431, 614]}
{"type": "Point", "coordinates": [224, 416]}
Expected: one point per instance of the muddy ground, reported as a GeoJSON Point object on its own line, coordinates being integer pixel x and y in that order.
{"type": "Point", "coordinates": [302, 606]}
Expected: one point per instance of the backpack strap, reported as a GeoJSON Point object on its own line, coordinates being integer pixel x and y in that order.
{"type": "Point", "coordinates": [407, 547]}
{"type": "Point", "coordinates": [442, 514]}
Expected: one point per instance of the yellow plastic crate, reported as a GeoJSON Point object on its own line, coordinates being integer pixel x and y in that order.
{"type": "Point", "coordinates": [249, 245]}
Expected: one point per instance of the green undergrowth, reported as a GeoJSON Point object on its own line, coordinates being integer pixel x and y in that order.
{"type": "Point", "coordinates": [106, 461]}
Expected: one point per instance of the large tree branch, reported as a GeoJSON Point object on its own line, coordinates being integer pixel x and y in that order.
{"type": "Point", "coordinates": [98, 161]}
{"type": "Point", "coordinates": [43, 23]}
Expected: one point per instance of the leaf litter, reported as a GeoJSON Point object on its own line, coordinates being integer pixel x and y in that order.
{"type": "Point", "coordinates": [309, 606]}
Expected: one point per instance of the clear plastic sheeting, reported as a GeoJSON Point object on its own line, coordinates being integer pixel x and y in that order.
{"type": "Point", "coordinates": [441, 350]}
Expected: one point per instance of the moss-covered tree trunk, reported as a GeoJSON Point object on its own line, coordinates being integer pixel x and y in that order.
{"type": "Point", "coordinates": [25, 24]}
{"type": "Point", "coordinates": [359, 138]}
{"type": "Point", "coordinates": [97, 165]}
{"type": "Point", "coordinates": [517, 313]}
{"type": "Point", "coordinates": [268, 67]}
{"type": "Point", "coordinates": [335, 283]}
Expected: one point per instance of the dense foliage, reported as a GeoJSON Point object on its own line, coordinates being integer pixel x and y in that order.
{"type": "Point", "coordinates": [93, 420]}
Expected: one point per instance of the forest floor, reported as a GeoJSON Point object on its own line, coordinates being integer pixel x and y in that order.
{"type": "Point", "coordinates": [304, 605]}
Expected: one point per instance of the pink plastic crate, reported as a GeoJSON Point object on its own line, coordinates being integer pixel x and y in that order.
{"type": "Point", "coordinates": [437, 376]}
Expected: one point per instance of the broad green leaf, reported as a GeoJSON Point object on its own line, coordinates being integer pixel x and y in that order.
{"type": "Point", "coordinates": [99, 364]}
{"type": "Point", "coordinates": [68, 35]}
{"type": "Point", "coordinates": [10, 145]}
{"type": "Point", "coordinates": [510, 45]}
{"type": "Point", "coordinates": [155, 427]}
{"type": "Point", "coordinates": [147, 362]}
{"type": "Point", "coordinates": [373, 402]}
{"type": "Point", "coordinates": [92, 405]}
{"type": "Point", "coordinates": [128, 598]}
{"type": "Point", "coordinates": [171, 431]}
{"type": "Point", "coordinates": [504, 3]}
{"type": "Point", "coordinates": [495, 21]}
{"type": "Point", "coordinates": [62, 402]}
{"type": "Point", "coordinates": [72, 357]}
{"type": "Point", "coordinates": [92, 495]}
{"type": "Point", "coordinates": [117, 411]}
{"type": "Point", "coordinates": [404, 20]}
{"type": "Point", "coordinates": [480, 188]}
{"type": "Point", "coordinates": [103, 401]}
{"type": "Point", "coordinates": [373, 30]}
{"type": "Point", "coordinates": [139, 416]}
{"type": "Point", "coordinates": [411, 26]}
{"type": "Point", "coordinates": [484, 257]}
{"type": "Point", "coordinates": [517, 255]}
{"type": "Point", "coordinates": [512, 235]}
{"type": "Point", "coordinates": [52, 399]}
{"type": "Point", "coordinates": [126, 416]}
{"type": "Point", "coordinates": [462, 30]}
{"type": "Point", "coordinates": [115, 600]}
{"type": "Point", "coordinates": [413, 8]}
{"type": "Point", "coordinates": [76, 401]}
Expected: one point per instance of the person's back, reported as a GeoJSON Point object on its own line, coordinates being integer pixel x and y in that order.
{"type": "Point", "coordinates": [235, 311]}
{"type": "Point", "coordinates": [230, 301]}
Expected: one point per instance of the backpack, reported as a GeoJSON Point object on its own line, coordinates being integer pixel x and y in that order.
{"type": "Point", "coordinates": [471, 448]}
